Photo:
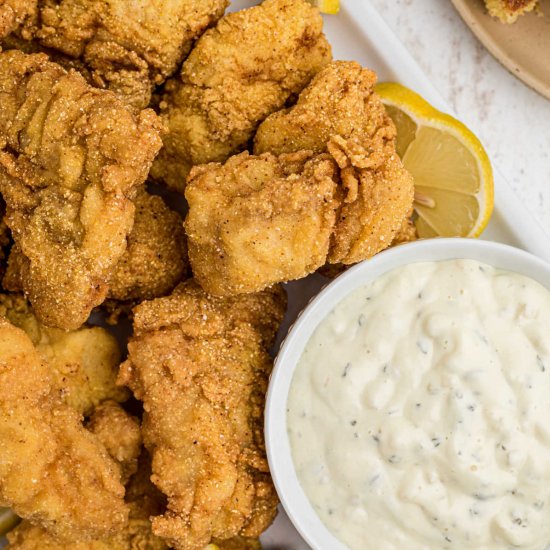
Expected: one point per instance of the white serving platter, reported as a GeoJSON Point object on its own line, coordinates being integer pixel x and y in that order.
{"type": "Point", "coordinates": [359, 33]}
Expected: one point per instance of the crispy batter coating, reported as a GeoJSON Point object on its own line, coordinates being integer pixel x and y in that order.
{"type": "Point", "coordinates": [256, 221]}
{"type": "Point", "coordinates": [136, 536]}
{"type": "Point", "coordinates": [83, 363]}
{"type": "Point", "coordinates": [340, 101]}
{"type": "Point", "coordinates": [244, 69]}
{"type": "Point", "coordinates": [200, 365]}
{"type": "Point", "coordinates": [339, 112]}
{"type": "Point", "coordinates": [380, 192]}
{"type": "Point", "coordinates": [15, 14]}
{"type": "Point", "coordinates": [238, 543]}
{"type": "Point", "coordinates": [70, 159]}
{"type": "Point", "coordinates": [53, 472]}
{"type": "Point", "coordinates": [259, 220]}
{"type": "Point", "coordinates": [15, 42]}
{"type": "Point", "coordinates": [120, 434]}
{"type": "Point", "coordinates": [128, 47]}
{"type": "Point", "coordinates": [5, 239]}
{"type": "Point", "coordinates": [143, 499]}
{"type": "Point", "coordinates": [508, 11]}
{"type": "Point", "coordinates": [407, 232]}
{"type": "Point", "coordinates": [156, 257]}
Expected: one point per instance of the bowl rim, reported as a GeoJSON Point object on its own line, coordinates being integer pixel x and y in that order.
{"type": "Point", "coordinates": [291, 494]}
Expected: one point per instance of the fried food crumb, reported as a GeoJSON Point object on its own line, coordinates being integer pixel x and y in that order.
{"type": "Point", "coordinates": [200, 365]}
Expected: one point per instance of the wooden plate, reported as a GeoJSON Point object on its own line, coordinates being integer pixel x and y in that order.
{"type": "Point", "coordinates": [523, 47]}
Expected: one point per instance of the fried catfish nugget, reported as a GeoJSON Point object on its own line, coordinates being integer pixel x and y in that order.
{"type": "Point", "coordinates": [263, 219]}
{"type": "Point", "coordinates": [16, 14]}
{"type": "Point", "coordinates": [339, 112]}
{"type": "Point", "coordinates": [256, 221]}
{"type": "Point", "coordinates": [200, 365]}
{"type": "Point", "coordinates": [128, 47]}
{"type": "Point", "coordinates": [83, 363]}
{"type": "Point", "coordinates": [53, 471]}
{"type": "Point", "coordinates": [71, 157]}
{"type": "Point", "coordinates": [155, 260]}
{"type": "Point", "coordinates": [238, 543]}
{"type": "Point", "coordinates": [5, 239]}
{"type": "Point", "coordinates": [143, 500]}
{"type": "Point", "coordinates": [244, 69]}
{"type": "Point", "coordinates": [120, 434]}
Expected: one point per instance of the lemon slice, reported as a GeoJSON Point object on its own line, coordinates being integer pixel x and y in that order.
{"type": "Point", "coordinates": [327, 6]}
{"type": "Point", "coordinates": [8, 520]}
{"type": "Point", "coordinates": [452, 173]}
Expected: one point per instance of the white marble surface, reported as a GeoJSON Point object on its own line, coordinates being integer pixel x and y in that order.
{"type": "Point", "coordinates": [512, 120]}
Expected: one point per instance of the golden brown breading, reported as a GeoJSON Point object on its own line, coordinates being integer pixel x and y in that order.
{"type": "Point", "coordinates": [407, 232]}
{"type": "Point", "coordinates": [5, 239]}
{"type": "Point", "coordinates": [14, 42]}
{"type": "Point", "coordinates": [379, 194]}
{"type": "Point", "coordinates": [16, 14]}
{"type": "Point", "coordinates": [120, 434]}
{"type": "Point", "coordinates": [339, 101]}
{"type": "Point", "coordinates": [136, 536]}
{"type": "Point", "coordinates": [238, 543]}
{"type": "Point", "coordinates": [245, 68]}
{"type": "Point", "coordinates": [339, 112]}
{"type": "Point", "coordinates": [83, 363]}
{"type": "Point", "coordinates": [128, 47]}
{"type": "Point", "coordinates": [143, 499]}
{"type": "Point", "coordinates": [155, 260]}
{"type": "Point", "coordinates": [53, 472]}
{"type": "Point", "coordinates": [70, 159]}
{"type": "Point", "coordinates": [508, 11]}
{"type": "Point", "coordinates": [200, 365]}
{"type": "Point", "coordinates": [256, 221]}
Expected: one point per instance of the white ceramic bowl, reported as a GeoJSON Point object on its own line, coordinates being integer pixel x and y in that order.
{"type": "Point", "coordinates": [292, 496]}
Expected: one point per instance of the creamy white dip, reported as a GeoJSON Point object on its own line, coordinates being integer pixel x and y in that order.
{"type": "Point", "coordinates": [419, 413]}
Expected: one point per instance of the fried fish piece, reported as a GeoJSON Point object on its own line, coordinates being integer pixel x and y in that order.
{"type": "Point", "coordinates": [143, 499]}
{"type": "Point", "coordinates": [16, 14]}
{"type": "Point", "coordinates": [407, 232]}
{"type": "Point", "coordinates": [256, 221]}
{"type": "Point", "coordinates": [239, 72]}
{"type": "Point", "coordinates": [128, 47]}
{"type": "Point", "coordinates": [71, 158]}
{"type": "Point", "coordinates": [14, 42]}
{"type": "Point", "coordinates": [120, 433]}
{"type": "Point", "coordinates": [508, 11]}
{"type": "Point", "coordinates": [340, 112]}
{"type": "Point", "coordinates": [5, 239]}
{"type": "Point", "coordinates": [238, 543]}
{"type": "Point", "coordinates": [268, 218]}
{"type": "Point", "coordinates": [155, 260]}
{"type": "Point", "coordinates": [53, 471]}
{"type": "Point", "coordinates": [136, 536]}
{"type": "Point", "coordinates": [83, 363]}
{"type": "Point", "coordinates": [200, 365]}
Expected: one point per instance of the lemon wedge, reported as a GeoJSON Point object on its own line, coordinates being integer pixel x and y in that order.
{"type": "Point", "coordinates": [8, 520]}
{"type": "Point", "coordinates": [454, 191]}
{"type": "Point", "coordinates": [327, 6]}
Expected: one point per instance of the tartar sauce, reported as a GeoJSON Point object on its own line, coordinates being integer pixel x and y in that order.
{"type": "Point", "coordinates": [419, 413]}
